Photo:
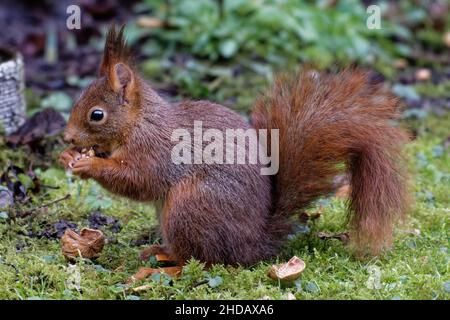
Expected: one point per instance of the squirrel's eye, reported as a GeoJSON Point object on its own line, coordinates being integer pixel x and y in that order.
{"type": "Point", "coordinates": [97, 115]}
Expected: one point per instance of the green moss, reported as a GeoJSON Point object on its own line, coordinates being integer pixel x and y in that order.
{"type": "Point", "coordinates": [429, 89]}
{"type": "Point", "coordinates": [416, 268]}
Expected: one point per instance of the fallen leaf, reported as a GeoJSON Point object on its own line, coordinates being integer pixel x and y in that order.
{"type": "Point", "coordinates": [88, 244]}
{"type": "Point", "coordinates": [149, 22]}
{"type": "Point", "coordinates": [446, 39]}
{"type": "Point", "coordinates": [43, 124]}
{"type": "Point", "coordinates": [162, 257]}
{"type": "Point", "coordinates": [145, 272]}
{"type": "Point", "coordinates": [287, 271]}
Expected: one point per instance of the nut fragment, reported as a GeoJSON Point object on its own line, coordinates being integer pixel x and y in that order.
{"type": "Point", "coordinates": [287, 271]}
{"type": "Point", "coordinates": [87, 153]}
{"type": "Point", "coordinates": [88, 244]}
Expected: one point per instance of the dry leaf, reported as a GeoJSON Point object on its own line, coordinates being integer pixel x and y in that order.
{"type": "Point", "coordinates": [423, 74]}
{"type": "Point", "coordinates": [343, 236]}
{"type": "Point", "coordinates": [45, 123]}
{"type": "Point", "coordinates": [343, 192]}
{"type": "Point", "coordinates": [287, 271]}
{"type": "Point", "coordinates": [145, 272]}
{"type": "Point", "coordinates": [142, 288]}
{"type": "Point", "coordinates": [446, 39]}
{"type": "Point", "coordinates": [88, 244]}
{"type": "Point", "coordinates": [149, 22]}
{"type": "Point", "coordinates": [162, 257]}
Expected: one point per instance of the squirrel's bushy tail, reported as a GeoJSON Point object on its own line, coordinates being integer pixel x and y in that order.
{"type": "Point", "coordinates": [328, 121]}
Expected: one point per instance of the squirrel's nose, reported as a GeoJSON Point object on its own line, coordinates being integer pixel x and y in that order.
{"type": "Point", "coordinates": [68, 137]}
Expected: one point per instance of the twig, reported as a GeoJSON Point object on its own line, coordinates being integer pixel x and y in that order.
{"type": "Point", "coordinates": [49, 187]}
{"type": "Point", "coordinates": [197, 284]}
{"type": "Point", "coordinates": [29, 212]}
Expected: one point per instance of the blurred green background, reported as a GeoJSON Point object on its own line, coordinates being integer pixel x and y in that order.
{"type": "Point", "coordinates": [227, 51]}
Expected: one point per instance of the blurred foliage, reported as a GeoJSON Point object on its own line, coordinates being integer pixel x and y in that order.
{"type": "Point", "coordinates": [279, 32]}
{"type": "Point", "coordinates": [213, 49]}
{"type": "Point", "coordinates": [227, 51]}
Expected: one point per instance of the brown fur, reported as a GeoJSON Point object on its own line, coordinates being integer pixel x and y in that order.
{"type": "Point", "coordinates": [230, 213]}
{"type": "Point", "coordinates": [332, 120]}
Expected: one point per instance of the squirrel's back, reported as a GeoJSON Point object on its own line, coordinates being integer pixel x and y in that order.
{"type": "Point", "coordinates": [229, 212]}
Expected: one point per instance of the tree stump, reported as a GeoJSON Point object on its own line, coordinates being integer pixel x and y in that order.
{"type": "Point", "coordinates": [12, 102]}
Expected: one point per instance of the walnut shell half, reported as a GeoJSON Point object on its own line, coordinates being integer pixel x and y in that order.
{"type": "Point", "coordinates": [288, 271]}
{"type": "Point", "coordinates": [88, 244]}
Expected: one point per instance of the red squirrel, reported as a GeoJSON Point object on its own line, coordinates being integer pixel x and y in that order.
{"type": "Point", "coordinates": [232, 214]}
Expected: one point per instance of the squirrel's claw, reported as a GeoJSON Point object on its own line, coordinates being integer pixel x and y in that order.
{"type": "Point", "coordinates": [83, 167]}
{"type": "Point", "coordinates": [69, 157]}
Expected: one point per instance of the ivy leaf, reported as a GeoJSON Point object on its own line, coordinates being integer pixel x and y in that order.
{"type": "Point", "coordinates": [96, 200]}
{"type": "Point", "coordinates": [161, 278]}
{"type": "Point", "coordinates": [311, 287]}
{"type": "Point", "coordinates": [58, 100]}
{"type": "Point", "coordinates": [48, 259]}
{"type": "Point", "coordinates": [228, 48]}
{"type": "Point", "coordinates": [447, 286]}
{"type": "Point", "coordinates": [215, 282]}
{"type": "Point", "coordinates": [407, 92]}
{"type": "Point", "coordinates": [26, 181]}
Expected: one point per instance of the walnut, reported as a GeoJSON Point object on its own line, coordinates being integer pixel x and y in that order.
{"type": "Point", "coordinates": [88, 244]}
{"type": "Point", "coordinates": [87, 153]}
{"type": "Point", "coordinates": [287, 271]}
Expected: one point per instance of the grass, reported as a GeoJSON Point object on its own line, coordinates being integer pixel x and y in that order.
{"type": "Point", "coordinates": [416, 268]}
{"type": "Point", "coordinates": [207, 55]}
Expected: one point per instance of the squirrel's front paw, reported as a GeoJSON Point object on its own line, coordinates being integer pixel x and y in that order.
{"type": "Point", "coordinates": [69, 157]}
{"type": "Point", "coordinates": [85, 167]}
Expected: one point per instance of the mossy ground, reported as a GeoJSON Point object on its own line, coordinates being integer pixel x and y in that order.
{"type": "Point", "coordinates": [416, 267]}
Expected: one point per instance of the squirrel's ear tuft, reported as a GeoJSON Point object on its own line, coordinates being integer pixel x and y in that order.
{"type": "Point", "coordinates": [116, 51]}
{"type": "Point", "coordinates": [122, 81]}
{"type": "Point", "coordinates": [115, 64]}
